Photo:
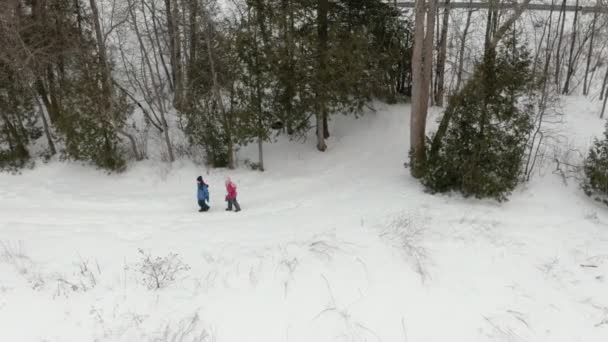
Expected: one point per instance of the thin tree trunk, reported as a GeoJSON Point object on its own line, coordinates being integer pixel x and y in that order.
{"type": "Point", "coordinates": [193, 47]}
{"type": "Point", "coordinates": [589, 54]}
{"type": "Point", "coordinates": [605, 96]}
{"type": "Point", "coordinates": [45, 125]}
{"type": "Point", "coordinates": [559, 44]}
{"type": "Point", "coordinates": [490, 47]}
{"type": "Point", "coordinates": [171, 32]}
{"type": "Point", "coordinates": [441, 59]}
{"type": "Point", "coordinates": [177, 48]}
{"type": "Point", "coordinates": [570, 71]}
{"type": "Point", "coordinates": [322, 27]}
{"type": "Point", "coordinates": [161, 56]}
{"type": "Point", "coordinates": [603, 93]}
{"type": "Point", "coordinates": [107, 82]}
{"type": "Point", "coordinates": [545, 35]}
{"type": "Point", "coordinates": [156, 87]}
{"type": "Point", "coordinates": [462, 48]}
{"type": "Point", "coordinates": [103, 59]}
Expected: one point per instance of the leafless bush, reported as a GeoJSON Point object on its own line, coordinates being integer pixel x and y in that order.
{"type": "Point", "coordinates": [84, 278]}
{"type": "Point", "coordinates": [15, 255]}
{"type": "Point", "coordinates": [569, 164]}
{"type": "Point", "coordinates": [159, 272]}
{"type": "Point", "coordinates": [403, 234]}
{"type": "Point", "coordinates": [88, 274]}
{"type": "Point", "coordinates": [186, 330]}
{"type": "Point", "coordinates": [353, 330]}
{"type": "Point", "coordinates": [546, 132]}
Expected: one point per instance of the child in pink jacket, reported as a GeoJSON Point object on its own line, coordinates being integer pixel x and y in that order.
{"type": "Point", "coordinates": [231, 196]}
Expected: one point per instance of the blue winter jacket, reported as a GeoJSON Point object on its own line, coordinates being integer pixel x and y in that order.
{"type": "Point", "coordinates": [203, 192]}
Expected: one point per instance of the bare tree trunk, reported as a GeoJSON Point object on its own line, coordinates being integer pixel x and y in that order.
{"type": "Point", "coordinates": [45, 124]}
{"type": "Point", "coordinates": [559, 43]}
{"type": "Point", "coordinates": [177, 48]}
{"type": "Point", "coordinates": [462, 48]}
{"type": "Point", "coordinates": [171, 32]}
{"type": "Point", "coordinates": [193, 47]}
{"type": "Point", "coordinates": [154, 78]}
{"type": "Point", "coordinates": [545, 35]}
{"type": "Point", "coordinates": [570, 71]}
{"type": "Point", "coordinates": [103, 60]}
{"type": "Point", "coordinates": [604, 106]}
{"type": "Point", "coordinates": [422, 60]}
{"type": "Point", "coordinates": [157, 32]}
{"type": "Point", "coordinates": [322, 27]}
{"type": "Point", "coordinates": [491, 44]}
{"type": "Point", "coordinates": [443, 44]}
{"type": "Point", "coordinates": [590, 53]}
{"type": "Point", "coordinates": [603, 94]}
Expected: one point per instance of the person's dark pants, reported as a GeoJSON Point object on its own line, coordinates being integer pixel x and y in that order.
{"type": "Point", "coordinates": [231, 202]}
{"type": "Point", "coordinates": [203, 205]}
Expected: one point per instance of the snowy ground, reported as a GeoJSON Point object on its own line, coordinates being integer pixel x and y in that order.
{"type": "Point", "coordinates": [341, 246]}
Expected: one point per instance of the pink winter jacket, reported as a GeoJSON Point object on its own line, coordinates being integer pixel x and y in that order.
{"type": "Point", "coordinates": [231, 189]}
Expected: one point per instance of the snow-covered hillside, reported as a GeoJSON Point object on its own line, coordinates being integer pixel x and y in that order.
{"type": "Point", "coordinates": [335, 246]}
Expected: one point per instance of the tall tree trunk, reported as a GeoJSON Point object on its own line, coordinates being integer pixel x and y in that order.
{"type": "Point", "coordinates": [322, 33]}
{"type": "Point", "coordinates": [157, 40]}
{"type": "Point", "coordinates": [604, 106]}
{"type": "Point", "coordinates": [570, 71]}
{"type": "Point", "coordinates": [462, 48]}
{"type": "Point", "coordinates": [605, 95]}
{"type": "Point", "coordinates": [604, 90]}
{"type": "Point", "coordinates": [288, 69]}
{"type": "Point", "coordinates": [177, 53]}
{"type": "Point", "coordinates": [491, 43]}
{"type": "Point", "coordinates": [558, 64]}
{"type": "Point", "coordinates": [155, 79]}
{"type": "Point", "coordinates": [544, 35]}
{"type": "Point", "coordinates": [45, 124]}
{"type": "Point", "coordinates": [171, 32]}
{"type": "Point", "coordinates": [107, 79]}
{"type": "Point", "coordinates": [441, 58]}
{"type": "Point", "coordinates": [193, 47]}
{"type": "Point", "coordinates": [586, 84]}
{"type": "Point", "coordinates": [422, 60]}
{"type": "Point", "coordinates": [103, 59]}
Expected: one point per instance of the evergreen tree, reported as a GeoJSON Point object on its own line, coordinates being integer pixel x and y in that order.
{"type": "Point", "coordinates": [481, 151]}
{"type": "Point", "coordinates": [17, 120]}
{"type": "Point", "coordinates": [595, 183]}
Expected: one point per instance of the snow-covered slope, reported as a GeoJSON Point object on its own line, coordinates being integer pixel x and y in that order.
{"type": "Point", "coordinates": [340, 246]}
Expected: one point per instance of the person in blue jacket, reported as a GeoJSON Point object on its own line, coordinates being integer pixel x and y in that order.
{"type": "Point", "coordinates": [202, 194]}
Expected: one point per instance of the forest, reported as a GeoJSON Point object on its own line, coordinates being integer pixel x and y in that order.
{"type": "Point", "coordinates": [111, 82]}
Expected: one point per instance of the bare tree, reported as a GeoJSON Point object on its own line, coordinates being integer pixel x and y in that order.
{"type": "Point", "coordinates": [603, 93]}
{"type": "Point", "coordinates": [590, 53]}
{"type": "Point", "coordinates": [145, 75]}
{"type": "Point", "coordinates": [422, 60]}
{"type": "Point", "coordinates": [570, 71]}
{"type": "Point", "coordinates": [441, 58]}
{"type": "Point", "coordinates": [463, 40]}
{"type": "Point", "coordinates": [558, 65]}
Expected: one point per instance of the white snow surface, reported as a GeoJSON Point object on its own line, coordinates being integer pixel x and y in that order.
{"type": "Point", "coordinates": [335, 246]}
